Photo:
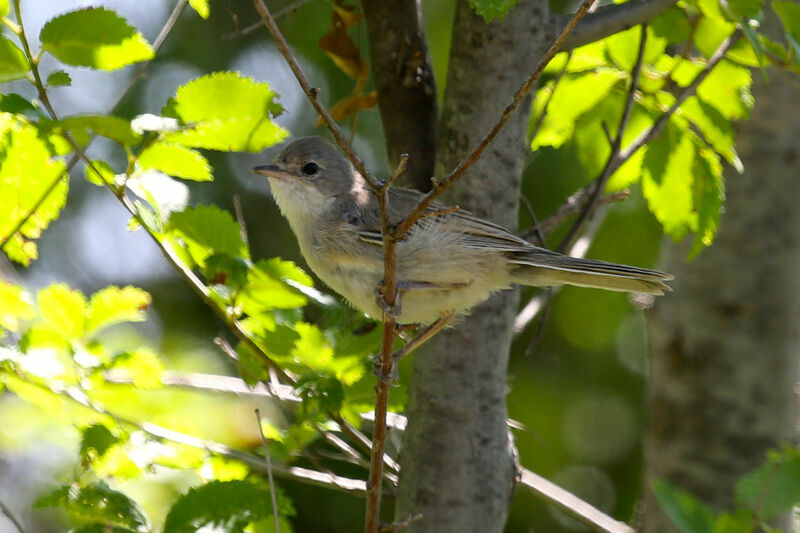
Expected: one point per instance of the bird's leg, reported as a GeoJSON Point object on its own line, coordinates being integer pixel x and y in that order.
{"type": "Point", "coordinates": [426, 334]}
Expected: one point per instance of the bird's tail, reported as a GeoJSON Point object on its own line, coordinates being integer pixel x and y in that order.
{"type": "Point", "coordinates": [545, 268]}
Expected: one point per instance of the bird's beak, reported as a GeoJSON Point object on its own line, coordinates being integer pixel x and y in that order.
{"type": "Point", "coordinates": [273, 171]}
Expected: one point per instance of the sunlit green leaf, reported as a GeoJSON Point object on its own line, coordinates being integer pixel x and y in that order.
{"type": "Point", "coordinates": [13, 64]}
{"type": "Point", "coordinates": [112, 305]}
{"type": "Point", "coordinates": [667, 182]}
{"type": "Point", "coordinates": [63, 309]}
{"type": "Point", "coordinates": [201, 6]}
{"type": "Point", "coordinates": [94, 37]}
{"type": "Point", "coordinates": [727, 88]}
{"type": "Point", "coordinates": [773, 488]}
{"type": "Point", "coordinates": [716, 129]}
{"type": "Point", "coordinates": [266, 288]}
{"type": "Point", "coordinates": [28, 174]}
{"type": "Point", "coordinates": [115, 128]}
{"type": "Point", "coordinates": [312, 348]}
{"type": "Point", "coordinates": [210, 230]}
{"type": "Point", "coordinates": [709, 194]}
{"type": "Point", "coordinates": [97, 503]}
{"type": "Point", "coordinates": [226, 111]}
{"type": "Point", "coordinates": [15, 305]}
{"type": "Point", "coordinates": [623, 47]}
{"type": "Point", "coordinates": [4, 7]}
{"type": "Point", "coordinates": [176, 160]}
{"type": "Point", "coordinates": [688, 513]}
{"type": "Point", "coordinates": [492, 9]}
{"type": "Point", "coordinates": [99, 173]}
{"type": "Point", "coordinates": [142, 365]}
{"type": "Point", "coordinates": [710, 33]}
{"type": "Point", "coordinates": [224, 506]}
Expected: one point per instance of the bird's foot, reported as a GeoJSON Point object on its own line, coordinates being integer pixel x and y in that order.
{"type": "Point", "coordinates": [387, 377]}
{"type": "Point", "coordinates": [380, 299]}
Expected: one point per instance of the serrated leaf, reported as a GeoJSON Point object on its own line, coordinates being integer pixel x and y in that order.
{"type": "Point", "coordinates": [4, 7]}
{"type": "Point", "coordinates": [210, 230]}
{"type": "Point", "coordinates": [113, 305]}
{"type": "Point", "coordinates": [115, 128]}
{"type": "Point", "coordinates": [15, 305]}
{"type": "Point", "coordinates": [63, 309]}
{"type": "Point", "coordinates": [266, 287]}
{"type": "Point", "coordinates": [226, 111]}
{"type": "Point", "coordinates": [201, 7]}
{"type": "Point", "coordinates": [176, 160]}
{"type": "Point", "coordinates": [13, 63]}
{"type": "Point", "coordinates": [95, 442]}
{"type": "Point", "coordinates": [492, 9]}
{"type": "Point", "coordinates": [29, 178]}
{"type": "Point", "coordinates": [789, 13]}
{"type": "Point", "coordinates": [94, 37]}
{"type": "Point", "coordinates": [225, 506]}
{"type": "Point", "coordinates": [688, 513]}
{"type": "Point", "coordinates": [623, 47]}
{"type": "Point", "coordinates": [15, 104]}
{"type": "Point", "coordinates": [715, 128]}
{"type": "Point", "coordinates": [710, 32]}
{"type": "Point", "coordinates": [97, 503]}
{"type": "Point", "coordinates": [99, 173]}
{"type": "Point", "coordinates": [59, 78]}
{"type": "Point", "coordinates": [727, 88]}
{"type": "Point", "coordinates": [709, 195]}
{"type": "Point", "coordinates": [312, 348]}
{"type": "Point", "coordinates": [575, 95]}
{"type": "Point", "coordinates": [773, 488]}
{"type": "Point", "coordinates": [667, 182]}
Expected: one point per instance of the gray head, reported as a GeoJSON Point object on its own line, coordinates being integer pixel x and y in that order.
{"type": "Point", "coordinates": [313, 162]}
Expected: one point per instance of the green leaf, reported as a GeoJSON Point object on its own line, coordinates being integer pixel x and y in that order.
{"type": "Point", "coordinates": [623, 47]}
{"type": "Point", "coordinates": [226, 111]}
{"type": "Point", "coordinates": [672, 25]}
{"type": "Point", "coordinates": [222, 269]}
{"type": "Point", "coordinates": [574, 96]}
{"type": "Point", "coordinates": [99, 173]}
{"type": "Point", "coordinates": [211, 229]}
{"type": "Point", "coordinates": [667, 182]}
{"type": "Point", "coordinates": [492, 9]}
{"type": "Point", "coordinates": [686, 512]}
{"type": "Point", "coordinates": [312, 348]}
{"type": "Point", "coordinates": [13, 64]}
{"type": "Point", "coordinates": [266, 287]}
{"type": "Point", "coordinates": [225, 506]}
{"type": "Point", "coordinates": [95, 442]}
{"type": "Point", "coordinates": [716, 129]}
{"type": "Point", "coordinates": [15, 305]}
{"type": "Point", "coordinates": [789, 13]}
{"type": "Point", "coordinates": [709, 195]}
{"type": "Point", "coordinates": [97, 503]}
{"type": "Point", "coordinates": [201, 7]}
{"type": "Point", "coordinates": [15, 104]}
{"type": "Point", "coordinates": [142, 365]}
{"type": "Point", "coordinates": [94, 37]}
{"type": "Point", "coordinates": [744, 9]}
{"type": "Point", "coordinates": [113, 305]}
{"type": "Point", "coordinates": [773, 488]}
{"type": "Point", "coordinates": [28, 173]}
{"type": "Point", "coordinates": [63, 309]}
{"type": "Point", "coordinates": [115, 128]}
{"type": "Point", "coordinates": [4, 7]}
{"type": "Point", "coordinates": [176, 160]}
{"type": "Point", "coordinates": [727, 88]}
{"type": "Point", "coordinates": [710, 33]}
{"type": "Point", "coordinates": [740, 521]}
{"type": "Point", "coordinates": [59, 78]}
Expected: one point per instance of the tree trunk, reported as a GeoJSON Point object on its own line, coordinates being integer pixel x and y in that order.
{"type": "Point", "coordinates": [725, 342]}
{"type": "Point", "coordinates": [457, 459]}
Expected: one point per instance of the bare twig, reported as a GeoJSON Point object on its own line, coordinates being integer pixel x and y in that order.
{"type": "Point", "coordinates": [608, 170]}
{"type": "Point", "coordinates": [10, 515]}
{"type": "Point", "coordinates": [268, 461]}
{"type": "Point", "coordinates": [575, 203]}
{"type": "Point", "coordinates": [572, 505]}
{"type": "Point", "coordinates": [397, 526]}
{"type": "Point", "coordinates": [260, 24]}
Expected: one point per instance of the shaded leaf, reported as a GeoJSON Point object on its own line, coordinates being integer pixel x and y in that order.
{"type": "Point", "coordinates": [13, 64]}
{"type": "Point", "coordinates": [97, 503]}
{"type": "Point", "coordinates": [176, 160]}
{"type": "Point", "coordinates": [94, 37]}
{"type": "Point", "coordinates": [492, 9]}
{"type": "Point", "coordinates": [59, 78]}
{"type": "Point", "coordinates": [95, 442]}
{"type": "Point", "coordinates": [688, 513]}
{"type": "Point", "coordinates": [267, 289]}
{"type": "Point", "coordinates": [789, 13]}
{"type": "Point", "coordinates": [672, 25]}
{"type": "Point", "coordinates": [226, 111]}
{"type": "Point", "coordinates": [773, 488]}
{"type": "Point", "coordinates": [715, 128]}
{"type": "Point", "coordinates": [115, 128]}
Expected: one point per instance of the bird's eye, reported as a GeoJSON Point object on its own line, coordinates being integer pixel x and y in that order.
{"type": "Point", "coordinates": [310, 168]}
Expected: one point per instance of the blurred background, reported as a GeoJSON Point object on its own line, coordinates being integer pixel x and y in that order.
{"type": "Point", "coordinates": [579, 393]}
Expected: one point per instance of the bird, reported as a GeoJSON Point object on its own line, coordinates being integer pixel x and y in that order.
{"type": "Point", "coordinates": [447, 263]}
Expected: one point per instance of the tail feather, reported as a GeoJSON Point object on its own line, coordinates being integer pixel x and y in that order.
{"type": "Point", "coordinates": [548, 268]}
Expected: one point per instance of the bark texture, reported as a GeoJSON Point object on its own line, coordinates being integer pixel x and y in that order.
{"type": "Point", "coordinates": [405, 83]}
{"type": "Point", "coordinates": [457, 458]}
{"type": "Point", "coordinates": [726, 342]}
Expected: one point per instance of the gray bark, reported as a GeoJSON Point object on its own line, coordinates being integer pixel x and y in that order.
{"type": "Point", "coordinates": [726, 342]}
{"type": "Point", "coordinates": [457, 459]}
{"type": "Point", "coordinates": [406, 88]}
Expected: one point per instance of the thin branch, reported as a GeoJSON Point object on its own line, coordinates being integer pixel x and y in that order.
{"type": "Point", "coordinates": [10, 515]}
{"type": "Point", "coordinates": [522, 92]}
{"type": "Point", "coordinates": [313, 95]}
{"type": "Point", "coordinates": [571, 504]}
{"type": "Point", "coordinates": [611, 19]}
{"type": "Point", "coordinates": [575, 203]}
{"type": "Point", "coordinates": [600, 183]}
{"type": "Point", "coordinates": [268, 461]}
{"type": "Point", "coordinates": [260, 24]}
{"type": "Point", "coordinates": [397, 526]}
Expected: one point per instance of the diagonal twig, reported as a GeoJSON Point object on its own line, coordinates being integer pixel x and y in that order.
{"type": "Point", "coordinates": [268, 461]}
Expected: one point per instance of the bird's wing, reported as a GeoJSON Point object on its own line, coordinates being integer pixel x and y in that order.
{"type": "Point", "coordinates": [474, 231]}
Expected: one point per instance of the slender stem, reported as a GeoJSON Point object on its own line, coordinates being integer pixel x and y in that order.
{"type": "Point", "coordinates": [616, 143]}
{"type": "Point", "coordinates": [268, 461]}
{"type": "Point", "coordinates": [10, 515]}
{"type": "Point", "coordinates": [522, 92]}
{"type": "Point", "coordinates": [260, 24]}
